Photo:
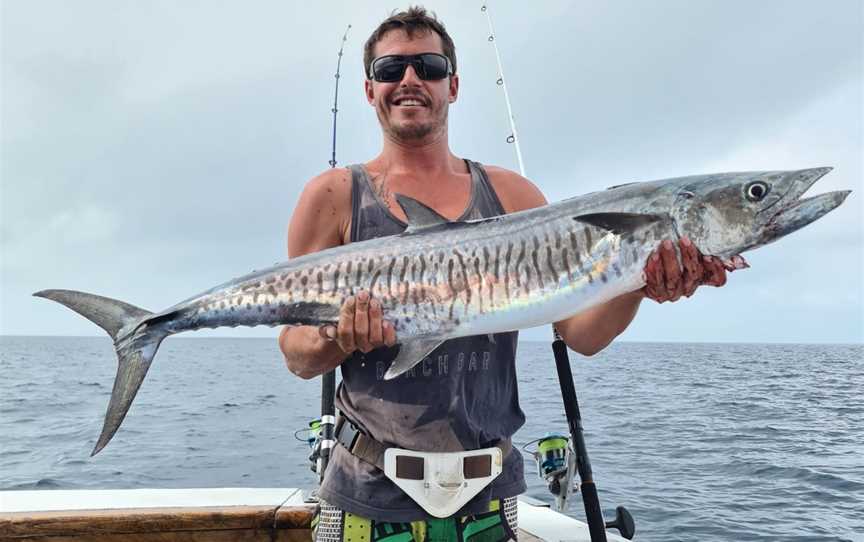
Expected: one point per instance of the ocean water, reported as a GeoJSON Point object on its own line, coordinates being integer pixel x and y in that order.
{"type": "Point", "coordinates": [699, 441]}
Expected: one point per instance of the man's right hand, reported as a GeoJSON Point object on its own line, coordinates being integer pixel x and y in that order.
{"type": "Point", "coordinates": [361, 326]}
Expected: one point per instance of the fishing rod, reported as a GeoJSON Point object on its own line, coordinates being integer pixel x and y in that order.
{"type": "Point", "coordinates": [327, 425]}
{"type": "Point", "coordinates": [555, 462]}
{"type": "Point", "coordinates": [514, 136]}
{"type": "Point", "coordinates": [335, 109]}
{"type": "Point", "coordinates": [596, 524]}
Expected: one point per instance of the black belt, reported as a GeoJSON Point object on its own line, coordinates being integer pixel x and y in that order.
{"type": "Point", "coordinates": [371, 451]}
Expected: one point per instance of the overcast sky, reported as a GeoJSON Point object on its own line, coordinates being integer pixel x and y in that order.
{"type": "Point", "coordinates": [151, 150]}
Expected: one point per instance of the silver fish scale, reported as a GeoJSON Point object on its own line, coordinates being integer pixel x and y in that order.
{"type": "Point", "coordinates": [428, 287]}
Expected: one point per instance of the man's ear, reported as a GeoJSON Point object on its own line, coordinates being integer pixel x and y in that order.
{"type": "Point", "coordinates": [454, 87]}
{"type": "Point", "coordinates": [370, 93]}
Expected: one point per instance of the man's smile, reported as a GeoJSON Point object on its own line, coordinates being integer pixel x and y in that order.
{"type": "Point", "coordinates": [409, 101]}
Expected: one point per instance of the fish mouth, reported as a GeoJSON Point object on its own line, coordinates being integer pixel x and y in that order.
{"type": "Point", "coordinates": [788, 212]}
{"type": "Point", "coordinates": [794, 212]}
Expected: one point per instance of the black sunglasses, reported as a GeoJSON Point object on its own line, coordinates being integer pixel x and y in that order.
{"type": "Point", "coordinates": [428, 66]}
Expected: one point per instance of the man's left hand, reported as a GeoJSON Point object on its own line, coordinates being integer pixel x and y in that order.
{"type": "Point", "coordinates": [667, 280]}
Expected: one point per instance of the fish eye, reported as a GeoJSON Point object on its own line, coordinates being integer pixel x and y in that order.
{"type": "Point", "coordinates": [756, 191]}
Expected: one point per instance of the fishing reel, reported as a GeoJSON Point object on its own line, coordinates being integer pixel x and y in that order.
{"type": "Point", "coordinates": [312, 437]}
{"type": "Point", "coordinates": [556, 465]}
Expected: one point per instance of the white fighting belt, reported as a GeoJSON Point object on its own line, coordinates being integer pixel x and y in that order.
{"type": "Point", "coordinates": [441, 483]}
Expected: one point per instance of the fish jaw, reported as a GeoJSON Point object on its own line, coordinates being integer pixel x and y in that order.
{"type": "Point", "coordinates": [803, 212]}
{"type": "Point", "coordinates": [790, 212]}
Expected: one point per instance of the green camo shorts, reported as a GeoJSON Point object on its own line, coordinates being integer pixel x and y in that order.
{"type": "Point", "coordinates": [496, 525]}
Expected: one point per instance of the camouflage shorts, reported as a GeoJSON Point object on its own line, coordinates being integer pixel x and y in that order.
{"type": "Point", "coordinates": [496, 525]}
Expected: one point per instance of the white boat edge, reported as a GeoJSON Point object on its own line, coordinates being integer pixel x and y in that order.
{"type": "Point", "coordinates": [535, 517]}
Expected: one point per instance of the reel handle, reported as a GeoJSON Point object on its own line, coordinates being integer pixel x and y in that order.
{"type": "Point", "coordinates": [623, 522]}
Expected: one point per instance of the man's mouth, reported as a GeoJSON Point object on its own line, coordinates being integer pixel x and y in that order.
{"type": "Point", "coordinates": [409, 101]}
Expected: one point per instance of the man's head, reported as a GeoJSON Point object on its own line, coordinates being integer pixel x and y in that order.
{"type": "Point", "coordinates": [414, 107]}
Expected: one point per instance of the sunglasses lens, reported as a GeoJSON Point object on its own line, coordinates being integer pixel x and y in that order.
{"type": "Point", "coordinates": [433, 67]}
{"type": "Point", "coordinates": [388, 69]}
{"type": "Point", "coordinates": [429, 67]}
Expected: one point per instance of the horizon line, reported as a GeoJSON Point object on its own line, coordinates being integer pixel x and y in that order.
{"type": "Point", "coordinates": [858, 343]}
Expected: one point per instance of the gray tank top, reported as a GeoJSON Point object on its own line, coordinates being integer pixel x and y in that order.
{"type": "Point", "coordinates": [462, 396]}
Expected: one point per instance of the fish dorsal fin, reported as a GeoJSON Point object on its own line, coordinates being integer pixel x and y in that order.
{"type": "Point", "coordinates": [619, 223]}
{"type": "Point", "coordinates": [614, 186]}
{"type": "Point", "coordinates": [419, 215]}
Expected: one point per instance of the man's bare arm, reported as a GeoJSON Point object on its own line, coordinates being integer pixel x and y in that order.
{"type": "Point", "coordinates": [321, 221]}
{"type": "Point", "coordinates": [318, 223]}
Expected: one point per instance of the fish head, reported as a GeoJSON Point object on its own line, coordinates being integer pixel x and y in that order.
{"type": "Point", "coordinates": [725, 215]}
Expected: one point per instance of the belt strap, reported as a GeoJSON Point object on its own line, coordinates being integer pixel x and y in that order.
{"type": "Point", "coordinates": [371, 451]}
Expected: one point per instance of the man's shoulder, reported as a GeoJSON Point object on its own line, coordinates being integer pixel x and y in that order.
{"type": "Point", "coordinates": [323, 213]}
{"type": "Point", "coordinates": [328, 191]}
{"type": "Point", "coordinates": [329, 183]}
{"type": "Point", "coordinates": [515, 191]}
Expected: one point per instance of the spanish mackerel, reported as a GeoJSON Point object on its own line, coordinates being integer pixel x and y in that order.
{"type": "Point", "coordinates": [440, 280]}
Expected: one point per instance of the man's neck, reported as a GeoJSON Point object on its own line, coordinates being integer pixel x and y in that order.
{"type": "Point", "coordinates": [430, 158]}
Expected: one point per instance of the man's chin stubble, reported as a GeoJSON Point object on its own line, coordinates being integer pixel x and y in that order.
{"type": "Point", "coordinates": [414, 132]}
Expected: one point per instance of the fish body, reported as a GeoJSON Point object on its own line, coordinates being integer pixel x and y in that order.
{"type": "Point", "coordinates": [440, 280]}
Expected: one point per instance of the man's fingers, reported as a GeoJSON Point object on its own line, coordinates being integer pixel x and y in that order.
{"type": "Point", "coordinates": [376, 333]}
{"type": "Point", "coordinates": [671, 270]}
{"type": "Point", "coordinates": [715, 273]}
{"type": "Point", "coordinates": [692, 266]}
{"type": "Point", "coordinates": [690, 287]}
{"type": "Point", "coordinates": [655, 283]}
{"type": "Point", "coordinates": [345, 331]}
{"type": "Point", "coordinates": [389, 333]}
{"type": "Point", "coordinates": [361, 322]}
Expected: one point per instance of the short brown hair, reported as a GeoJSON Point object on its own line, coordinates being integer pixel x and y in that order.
{"type": "Point", "coordinates": [412, 22]}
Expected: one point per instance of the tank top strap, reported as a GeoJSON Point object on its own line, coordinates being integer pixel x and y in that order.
{"type": "Point", "coordinates": [370, 217]}
{"type": "Point", "coordinates": [486, 202]}
{"type": "Point", "coordinates": [358, 184]}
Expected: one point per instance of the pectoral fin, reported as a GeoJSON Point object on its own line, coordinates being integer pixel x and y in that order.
{"type": "Point", "coordinates": [410, 354]}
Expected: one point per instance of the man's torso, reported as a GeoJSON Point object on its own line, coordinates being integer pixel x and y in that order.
{"type": "Point", "coordinates": [462, 396]}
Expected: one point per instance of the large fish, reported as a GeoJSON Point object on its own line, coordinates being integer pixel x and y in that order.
{"type": "Point", "coordinates": [439, 280]}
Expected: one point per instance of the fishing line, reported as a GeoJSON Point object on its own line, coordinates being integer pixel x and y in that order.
{"type": "Point", "coordinates": [514, 136]}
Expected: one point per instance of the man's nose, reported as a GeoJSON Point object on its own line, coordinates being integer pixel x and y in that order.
{"type": "Point", "coordinates": [410, 78]}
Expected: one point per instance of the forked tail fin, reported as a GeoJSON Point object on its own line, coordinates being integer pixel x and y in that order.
{"type": "Point", "coordinates": [135, 343]}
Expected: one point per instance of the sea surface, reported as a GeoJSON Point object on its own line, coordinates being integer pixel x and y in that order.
{"type": "Point", "coordinates": [699, 441]}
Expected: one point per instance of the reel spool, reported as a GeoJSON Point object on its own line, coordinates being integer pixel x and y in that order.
{"type": "Point", "coordinates": [313, 439]}
{"type": "Point", "coordinates": [556, 465]}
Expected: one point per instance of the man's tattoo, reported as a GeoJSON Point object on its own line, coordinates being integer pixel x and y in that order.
{"type": "Point", "coordinates": [381, 189]}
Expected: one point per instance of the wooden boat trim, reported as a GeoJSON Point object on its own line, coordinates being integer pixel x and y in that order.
{"type": "Point", "coordinates": [153, 520]}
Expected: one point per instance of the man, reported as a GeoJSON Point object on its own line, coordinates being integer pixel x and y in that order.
{"type": "Point", "coordinates": [465, 397]}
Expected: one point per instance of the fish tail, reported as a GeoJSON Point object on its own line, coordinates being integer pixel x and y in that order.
{"type": "Point", "coordinates": [135, 342]}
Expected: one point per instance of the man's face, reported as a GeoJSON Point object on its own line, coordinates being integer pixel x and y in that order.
{"type": "Point", "coordinates": [412, 109]}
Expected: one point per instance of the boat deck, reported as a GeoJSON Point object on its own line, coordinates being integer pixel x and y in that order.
{"type": "Point", "coordinates": [211, 514]}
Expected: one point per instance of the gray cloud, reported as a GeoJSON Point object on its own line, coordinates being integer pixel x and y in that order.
{"type": "Point", "coordinates": [152, 150]}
